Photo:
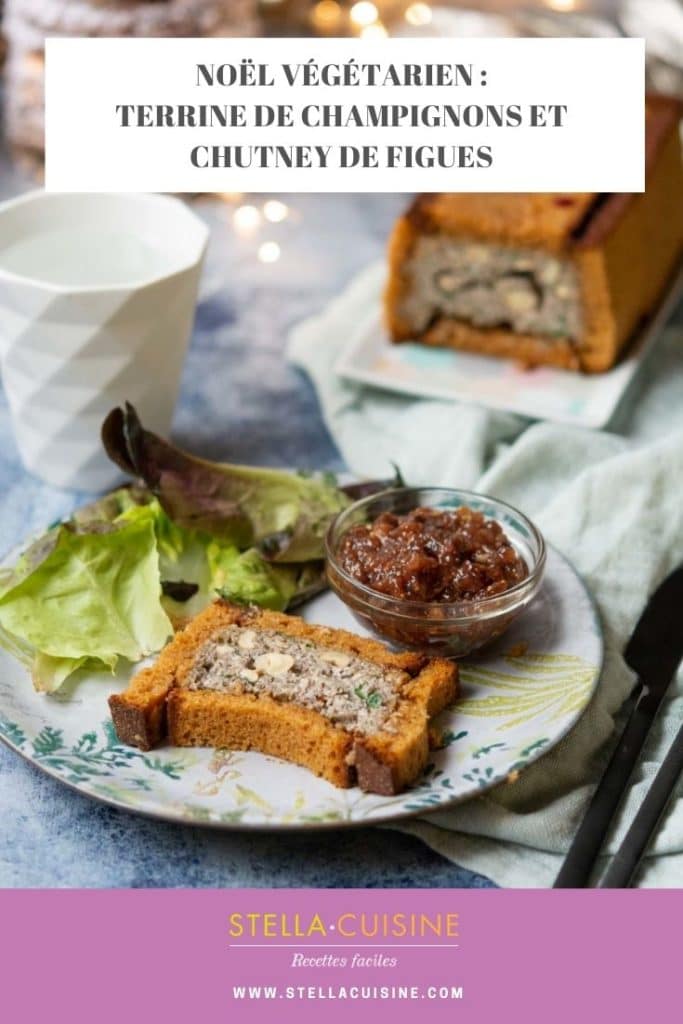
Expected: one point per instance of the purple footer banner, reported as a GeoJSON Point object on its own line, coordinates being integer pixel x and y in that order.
{"type": "Point", "coordinates": [340, 955]}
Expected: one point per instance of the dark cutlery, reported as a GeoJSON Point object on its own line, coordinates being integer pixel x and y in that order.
{"type": "Point", "coordinates": [654, 652]}
{"type": "Point", "coordinates": [644, 826]}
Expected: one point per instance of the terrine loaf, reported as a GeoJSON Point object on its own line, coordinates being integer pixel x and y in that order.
{"type": "Point", "coordinates": [342, 706]}
{"type": "Point", "coordinates": [561, 280]}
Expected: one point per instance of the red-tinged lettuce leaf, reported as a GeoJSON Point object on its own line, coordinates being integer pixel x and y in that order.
{"type": "Point", "coordinates": [284, 515]}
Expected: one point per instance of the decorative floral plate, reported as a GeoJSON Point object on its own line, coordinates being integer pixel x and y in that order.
{"type": "Point", "coordinates": [520, 697]}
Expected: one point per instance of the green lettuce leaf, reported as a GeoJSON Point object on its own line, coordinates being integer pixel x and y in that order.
{"type": "Point", "coordinates": [79, 595]}
{"type": "Point", "coordinates": [182, 557]}
{"type": "Point", "coordinates": [245, 578]}
{"type": "Point", "coordinates": [48, 673]}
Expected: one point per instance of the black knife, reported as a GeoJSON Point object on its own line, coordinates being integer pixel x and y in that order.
{"type": "Point", "coordinates": [625, 861]}
{"type": "Point", "coordinates": [654, 652]}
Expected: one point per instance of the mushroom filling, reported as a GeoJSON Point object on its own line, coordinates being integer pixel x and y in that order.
{"type": "Point", "coordinates": [526, 290]}
{"type": "Point", "coordinates": [355, 694]}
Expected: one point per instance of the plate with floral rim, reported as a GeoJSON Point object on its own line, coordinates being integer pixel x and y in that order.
{"type": "Point", "coordinates": [519, 698]}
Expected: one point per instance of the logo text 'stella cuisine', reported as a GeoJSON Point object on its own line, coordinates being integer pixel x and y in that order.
{"type": "Point", "coordinates": [351, 925]}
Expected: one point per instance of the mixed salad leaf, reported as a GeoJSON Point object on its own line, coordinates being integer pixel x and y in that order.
{"type": "Point", "coordinates": [110, 582]}
{"type": "Point", "coordinates": [84, 597]}
{"type": "Point", "coordinates": [284, 515]}
{"type": "Point", "coordinates": [195, 567]}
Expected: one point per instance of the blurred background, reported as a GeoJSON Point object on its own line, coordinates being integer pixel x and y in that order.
{"type": "Point", "coordinates": [273, 262]}
{"type": "Point", "coordinates": [26, 24]}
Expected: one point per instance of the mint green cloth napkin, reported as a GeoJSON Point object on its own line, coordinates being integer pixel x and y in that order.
{"type": "Point", "coordinates": [612, 502]}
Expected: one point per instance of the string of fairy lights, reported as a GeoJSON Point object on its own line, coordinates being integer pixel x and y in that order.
{"type": "Point", "coordinates": [376, 17]}
{"type": "Point", "coordinates": [255, 224]}
{"type": "Point", "coordinates": [365, 18]}
{"type": "Point", "coordinates": [252, 222]}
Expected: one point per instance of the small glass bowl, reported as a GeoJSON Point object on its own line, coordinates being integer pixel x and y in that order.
{"type": "Point", "coordinates": [450, 630]}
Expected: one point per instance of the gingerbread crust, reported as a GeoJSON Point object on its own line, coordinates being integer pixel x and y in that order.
{"type": "Point", "coordinates": [527, 349]}
{"type": "Point", "coordinates": [157, 705]}
{"type": "Point", "coordinates": [625, 249]}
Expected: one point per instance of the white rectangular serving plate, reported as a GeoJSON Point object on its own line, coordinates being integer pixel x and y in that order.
{"type": "Point", "coordinates": [562, 396]}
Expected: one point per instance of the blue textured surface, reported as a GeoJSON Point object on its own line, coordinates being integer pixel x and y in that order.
{"type": "Point", "coordinates": [239, 401]}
